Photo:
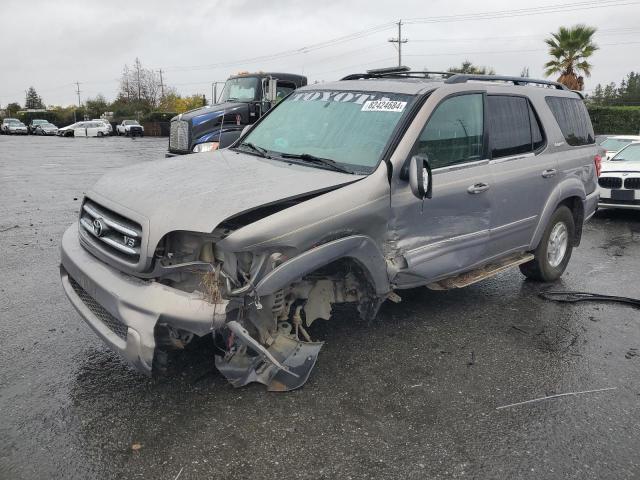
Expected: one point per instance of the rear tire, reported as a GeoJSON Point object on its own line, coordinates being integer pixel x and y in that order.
{"type": "Point", "coordinates": [554, 250]}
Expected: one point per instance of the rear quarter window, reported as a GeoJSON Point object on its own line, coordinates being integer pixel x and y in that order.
{"type": "Point", "coordinates": [573, 120]}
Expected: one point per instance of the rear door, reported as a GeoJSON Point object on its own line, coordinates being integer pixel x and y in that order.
{"type": "Point", "coordinates": [523, 178]}
{"type": "Point", "coordinates": [448, 233]}
{"type": "Point", "coordinates": [92, 129]}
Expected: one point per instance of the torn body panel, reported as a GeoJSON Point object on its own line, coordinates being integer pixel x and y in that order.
{"type": "Point", "coordinates": [285, 365]}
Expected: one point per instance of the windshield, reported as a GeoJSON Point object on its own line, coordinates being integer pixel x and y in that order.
{"type": "Point", "coordinates": [131, 122]}
{"type": "Point", "coordinates": [615, 144]}
{"type": "Point", "coordinates": [630, 154]}
{"type": "Point", "coordinates": [243, 89]}
{"type": "Point", "coordinates": [351, 128]}
{"type": "Point", "coordinates": [39, 122]}
{"type": "Point", "coordinates": [11, 120]}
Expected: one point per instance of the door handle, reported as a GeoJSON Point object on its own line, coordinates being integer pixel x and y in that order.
{"type": "Point", "coordinates": [478, 188]}
{"type": "Point", "coordinates": [551, 172]}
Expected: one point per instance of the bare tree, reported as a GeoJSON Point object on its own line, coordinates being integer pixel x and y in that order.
{"type": "Point", "coordinates": [140, 84]}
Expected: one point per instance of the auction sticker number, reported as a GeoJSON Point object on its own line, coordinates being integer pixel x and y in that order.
{"type": "Point", "coordinates": [383, 106]}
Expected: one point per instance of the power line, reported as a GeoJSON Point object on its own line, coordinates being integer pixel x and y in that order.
{"type": "Point", "coordinates": [507, 51]}
{"type": "Point", "coordinates": [496, 14]}
{"type": "Point", "coordinates": [489, 15]}
{"type": "Point", "coordinates": [599, 33]}
{"type": "Point", "coordinates": [288, 53]}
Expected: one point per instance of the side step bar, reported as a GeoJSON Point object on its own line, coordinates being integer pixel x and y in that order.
{"type": "Point", "coordinates": [473, 276]}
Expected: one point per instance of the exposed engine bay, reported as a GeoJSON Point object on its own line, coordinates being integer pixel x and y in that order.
{"type": "Point", "coordinates": [260, 338]}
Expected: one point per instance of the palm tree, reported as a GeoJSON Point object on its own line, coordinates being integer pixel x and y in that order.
{"type": "Point", "coordinates": [570, 49]}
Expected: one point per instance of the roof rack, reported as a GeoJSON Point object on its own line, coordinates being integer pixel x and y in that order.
{"type": "Point", "coordinates": [394, 72]}
{"type": "Point", "coordinates": [462, 78]}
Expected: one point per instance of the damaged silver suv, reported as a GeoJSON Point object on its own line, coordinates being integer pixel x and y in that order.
{"type": "Point", "coordinates": [343, 194]}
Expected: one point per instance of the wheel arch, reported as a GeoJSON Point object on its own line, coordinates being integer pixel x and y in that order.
{"type": "Point", "coordinates": [570, 194]}
{"type": "Point", "coordinates": [356, 248]}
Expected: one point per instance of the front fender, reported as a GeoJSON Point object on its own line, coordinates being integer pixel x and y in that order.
{"type": "Point", "coordinates": [358, 247]}
{"type": "Point", "coordinates": [570, 187]}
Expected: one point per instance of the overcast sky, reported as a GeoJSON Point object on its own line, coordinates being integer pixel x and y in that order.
{"type": "Point", "coordinates": [52, 44]}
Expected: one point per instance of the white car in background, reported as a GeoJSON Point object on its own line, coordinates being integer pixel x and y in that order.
{"type": "Point", "coordinates": [620, 179]}
{"type": "Point", "coordinates": [91, 129]}
{"type": "Point", "coordinates": [616, 143]}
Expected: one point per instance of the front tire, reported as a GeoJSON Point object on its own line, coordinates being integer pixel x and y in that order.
{"type": "Point", "coordinates": [554, 250]}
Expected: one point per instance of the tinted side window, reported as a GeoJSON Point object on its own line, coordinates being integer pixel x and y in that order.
{"type": "Point", "coordinates": [573, 119]}
{"type": "Point", "coordinates": [454, 133]}
{"type": "Point", "coordinates": [509, 125]}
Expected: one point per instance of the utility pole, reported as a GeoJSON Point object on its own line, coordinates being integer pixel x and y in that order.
{"type": "Point", "coordinates": [399, 41]}
{"type": "Point", "coordinates": [138, 78]}
{"type": "Point", "coordinates": [78, 93]}
{"type": "Point", "coordinates": [161, 85]}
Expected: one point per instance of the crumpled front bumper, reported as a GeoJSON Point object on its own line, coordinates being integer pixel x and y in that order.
{"type": "Point", "coordinates": [124, 310]}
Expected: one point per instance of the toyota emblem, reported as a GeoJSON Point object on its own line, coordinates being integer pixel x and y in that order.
{"type": "Point", "coordinates": [98, 227]}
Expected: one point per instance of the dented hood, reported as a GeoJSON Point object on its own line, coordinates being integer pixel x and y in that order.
{"type": "Point", "coordinates": [197, 192]}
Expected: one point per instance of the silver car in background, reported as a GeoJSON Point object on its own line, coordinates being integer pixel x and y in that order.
{"type": "Point", "coordinates": [45, 129]}
{"type": "Point", "coordinates": [13, 126]}
{"type": "Point", "coordinates": [342, 196]}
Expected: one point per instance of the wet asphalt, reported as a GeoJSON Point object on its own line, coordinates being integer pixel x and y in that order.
{"type": "Point", "coordinates": [411, 395]}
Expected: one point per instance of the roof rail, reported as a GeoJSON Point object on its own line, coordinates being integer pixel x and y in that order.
{"type": "Point", "coordinates": [394, 72]}
{"type": "Point", "coordinates": [463, 77]}
{"type": "Point", "coordinates": [380, 71]}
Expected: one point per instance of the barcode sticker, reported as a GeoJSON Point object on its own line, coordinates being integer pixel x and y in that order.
{"type": "Point", "coordinates": [383, 106]}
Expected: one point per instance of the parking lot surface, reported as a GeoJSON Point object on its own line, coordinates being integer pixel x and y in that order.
{"type": "Point", "coordinates": [411, 395]}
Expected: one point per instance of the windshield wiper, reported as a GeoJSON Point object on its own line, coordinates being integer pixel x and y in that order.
{"type": "Point", "coordinates": [259, 150]}
{"type": "Point", "coordinates": [318, 160]}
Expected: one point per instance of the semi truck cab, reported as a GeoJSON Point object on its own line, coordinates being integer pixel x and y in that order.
{"type": "Point", "coordinates": [244, 99]}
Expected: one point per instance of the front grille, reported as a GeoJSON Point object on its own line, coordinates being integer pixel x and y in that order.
{"type": "Point", "coordinates": [632, 183]}
{"type": "Point", "coordinates": [112, 323]}
{"type": "Point", "coordinates": [610, 182]}
{"type": "Point", "coordinates": [179, 135]}
{"type": "Point", "coordinates": [110, 231]}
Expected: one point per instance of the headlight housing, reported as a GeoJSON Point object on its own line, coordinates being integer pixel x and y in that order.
{"type": "Point", "coordinates": [205, 147]}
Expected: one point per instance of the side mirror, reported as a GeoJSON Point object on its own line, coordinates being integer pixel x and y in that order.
{"type": "Point", "coordinates": [272, 91]}
{"type": "Point", "coordinates": [420, 178]}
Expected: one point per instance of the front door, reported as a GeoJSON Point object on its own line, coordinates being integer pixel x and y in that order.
{"type": "Point", "coordinates": [448, 233]}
